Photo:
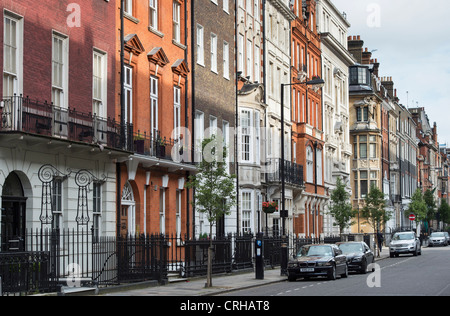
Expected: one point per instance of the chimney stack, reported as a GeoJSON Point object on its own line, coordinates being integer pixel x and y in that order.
{"type": "Point", "coordinates": [389, 85]}
{"type": "Point", "coordinates": [376, 67]}
{"type": "Point", "coordinates": [355, 46]}
{"type": "Point", "coordinates": [366, 56]}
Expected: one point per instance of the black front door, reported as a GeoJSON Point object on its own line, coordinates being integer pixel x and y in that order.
{"type": "Point", "coordinates": [13, 223]}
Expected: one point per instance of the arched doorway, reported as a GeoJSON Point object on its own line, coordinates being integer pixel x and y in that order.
{"type": "Point", "coordinates": [13, 216]}
{"type": "Point", "coordinates": [128, 211]}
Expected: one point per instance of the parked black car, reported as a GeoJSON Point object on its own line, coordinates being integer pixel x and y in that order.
{"type": "Point", "coordinates": [359, 256]}
{"type": "Point", "coordinates": [318, 260]}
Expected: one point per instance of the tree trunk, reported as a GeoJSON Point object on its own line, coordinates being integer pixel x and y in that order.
{"type": "Point", "coordinates": [209, 268]}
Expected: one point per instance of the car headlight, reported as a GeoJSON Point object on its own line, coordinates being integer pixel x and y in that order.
{"type": "Point", "coordinates": [357, 259]}
{"type": "Point", "coordinates": [322, 264]}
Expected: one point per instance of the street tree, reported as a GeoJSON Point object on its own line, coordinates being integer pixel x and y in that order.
{"type": "Point", "coordinates": [340, 207]}
{"type": "Point", "coordinates": [215, 193]}
{"type": "Point", "coordinates": [428, 196]}
{"type": "Point", "coordinates": [444, 211]}
{"type": "Point", "coordinates": [418, 206]}
{"type": "Point", "coordinates": [374, 211]}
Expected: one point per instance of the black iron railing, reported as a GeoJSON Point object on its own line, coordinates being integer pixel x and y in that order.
{"type": "Point", "coordinates": [19, 114]}
{"type": "Point", "coordinates": [293, 173]}
{"type": "Point", "coordinates": [156, 145]}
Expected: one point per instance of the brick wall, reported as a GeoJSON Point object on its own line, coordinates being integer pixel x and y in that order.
{"type": "Point", "coordinates": [96, 29]}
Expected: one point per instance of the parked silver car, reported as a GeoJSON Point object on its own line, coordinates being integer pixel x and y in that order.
{"type": "Point", "coordinates": [405, 243]}
{"type": "Point", "coordinates": [437, 239]}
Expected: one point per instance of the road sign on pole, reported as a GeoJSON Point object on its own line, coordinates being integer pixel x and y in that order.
{"type": "Point", "coordinates": [412, 217]}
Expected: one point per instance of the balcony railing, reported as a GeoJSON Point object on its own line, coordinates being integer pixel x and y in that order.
{"type": "Point", "coordinates": [155, 145]}
{"type": "Point", "coordinates": [19, 114]}
{"type": "Point", "coordinates": [293, 173]}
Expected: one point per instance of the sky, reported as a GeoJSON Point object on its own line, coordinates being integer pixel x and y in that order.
{"type": "Point", "coordinates": [412, 43]}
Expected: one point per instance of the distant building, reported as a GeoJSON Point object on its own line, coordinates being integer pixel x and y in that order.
{"type": "Point", "coordinates": [369, 118]}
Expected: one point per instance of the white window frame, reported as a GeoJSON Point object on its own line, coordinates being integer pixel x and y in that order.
{"type": "Point", "coordinates": [154, 101]}
{"type": "Point", "coordinates": [177, 112]}
{"type": "Point", "coordinates": [128, 88]}
{"type": "Point", "coordinates": [309, 165]}
{"type": "Point", "coordinates": [319, 166]}
{"type": "Point", "coordinates": [162, 210]}
{"type": "Point", "coordinates": [179, 195]}
{"type": "Point", "coordinates": [249, 59]}
{"type": "Point", "coordinates": [226, 6]}
{"type": "Point", "coordinates": [128, 9]}
{"type": "Point", "coordinates": [226, 60]}
{"type": "Point", "coordinates": [213, 52]}
{"type": "Point", "coordinates": [226, 143]}
{"type": "Point", "coordinates": [247, 211]}
{"type": "Point", "coordinates": [176, 22]}
{"type": "Point", "coordinates": [153, 14]}
{"type": "Point", "coordinates": [212, 125]}
{"type": "Point", "coordinates": [257, 61]}
{"type": "Point", "coordinates": [97, 208]}
{"type": "Point", "coordinates": [200, 45]}
{"type": "Point", "coordinates": [100, 81]}
{"type": "Point", "coordinates": [15, 75]}
{"type": "Point", "coordinates": [60, 70]}
{"type": "Point", "coordinates": [246, 135]}
{"type": "Point", "coordinates": [199, 130]}
{"type": "Point", "coordinates": [240, 60]}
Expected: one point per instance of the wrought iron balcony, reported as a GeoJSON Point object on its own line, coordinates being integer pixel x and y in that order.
{"type": "Point", "coordinates": [155, 145]}
{"type": "Point", "coordinates": [19, 114]}
{"type": "Point", "coordinates": [293, 173]}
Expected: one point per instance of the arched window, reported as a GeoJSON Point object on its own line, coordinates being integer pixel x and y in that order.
{"type": "Point", "coordinates": [128, 209]}
{"type": "Point", "coordinates": [309, 165]}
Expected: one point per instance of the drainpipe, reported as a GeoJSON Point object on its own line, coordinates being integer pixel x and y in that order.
{"type": "Point", "coordinates": [186, 116]}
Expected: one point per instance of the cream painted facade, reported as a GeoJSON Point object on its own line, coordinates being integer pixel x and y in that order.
{"type": "Point", "coordinates": [333, 28]}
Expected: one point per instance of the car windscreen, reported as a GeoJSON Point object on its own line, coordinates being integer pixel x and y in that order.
{"type": "Point", "coordinates": [351, 248]}
{"type": "Point", "coordinates": [437, 235]}
{"type": "Point", "coordinates": [403, 236]}
{"type": "Point", "coordinates": [315, 251]}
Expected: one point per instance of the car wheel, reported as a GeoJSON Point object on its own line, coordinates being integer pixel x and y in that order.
{"type": "Point", "coordinates": [345, 275]}
{"type": "Point", "coordinates": [332, 273]}
{"type": "Point", "coordinates": [291, 278]}
{"type": "Point", "coordinates": [364, 267]}
{"type": "Point", "coordinates": [416, 252]}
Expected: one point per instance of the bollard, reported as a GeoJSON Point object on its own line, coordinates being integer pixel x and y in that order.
{"type": "Point", "coordinates": [259, 255]}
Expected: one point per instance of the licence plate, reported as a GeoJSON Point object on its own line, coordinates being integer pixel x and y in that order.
{"type": "Point", "coordinates": [307, 270]}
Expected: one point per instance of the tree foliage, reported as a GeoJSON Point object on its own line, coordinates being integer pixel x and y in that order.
{"type": "Point", "coordinates": [374, 210]}
{"type": "Point", "coordinates": [418, 206]}
{"type": "Point", "coordinates": [215, 193]}
{"type": "Point", "coordinates": [444, 211]}
{"type": "Point", "coordinates": [340, 207]}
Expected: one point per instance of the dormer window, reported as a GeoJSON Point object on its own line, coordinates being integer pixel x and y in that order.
{"type": "Point", "coordinates": [359, 75]}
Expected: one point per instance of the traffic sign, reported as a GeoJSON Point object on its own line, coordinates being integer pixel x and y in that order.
{"type": "Point", "coordinates": [412, 217]}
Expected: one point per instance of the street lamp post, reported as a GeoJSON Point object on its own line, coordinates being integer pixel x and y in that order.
{"type": "Point", "coordinates": [316, 84]}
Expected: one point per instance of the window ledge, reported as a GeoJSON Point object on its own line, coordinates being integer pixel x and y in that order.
{"type": "Point", "coordinates": [155, 31]}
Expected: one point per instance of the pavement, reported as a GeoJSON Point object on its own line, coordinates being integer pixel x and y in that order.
{"type": "Point", "coordinates": [220, 284]}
